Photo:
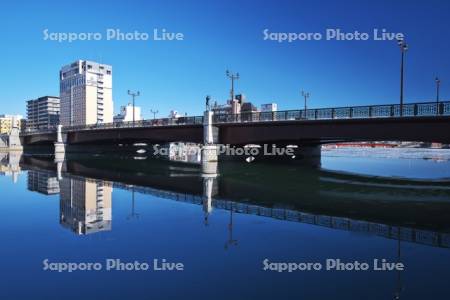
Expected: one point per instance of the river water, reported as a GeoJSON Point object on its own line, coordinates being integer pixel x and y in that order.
{"type": "Point", "coordinates": [231, 229]}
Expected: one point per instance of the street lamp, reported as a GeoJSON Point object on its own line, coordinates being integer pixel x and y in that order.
{"type": "Point", "coordinates": [232, 78]}
{"type": "Point", "coordinates": [306, 96]}
{"type": "Point", "coordinates": [154, 112]}
{"type": "Point", "coordinates": [133, 95]}
{"type": "Point", "coordinates": [403, 48]}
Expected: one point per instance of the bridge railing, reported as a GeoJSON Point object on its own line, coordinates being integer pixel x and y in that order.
{"type": "Point", "coordinates": [355, 112]}
{"type": "Point", "coordinates": [47, 130]}
{"type": "Point", "coordinates": [139, 124]}
{"type": "Point", "coordinates": [195, 120]}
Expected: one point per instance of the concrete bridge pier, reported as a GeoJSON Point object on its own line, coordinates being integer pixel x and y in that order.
{"type": "Point", "coordinates": [61, 166]}
{"type": "Point", "coordinates": [310, 155]}
{"type": "Point", "coordinates": [209, 175]}
{"type": "Point", "coordinates": [60, 144]}
{"type": "Point", "coordinates": [210, 151]}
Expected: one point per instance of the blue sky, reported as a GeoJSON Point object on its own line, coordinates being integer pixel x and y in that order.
{"type": "Point", "coordinates": [229, 34]}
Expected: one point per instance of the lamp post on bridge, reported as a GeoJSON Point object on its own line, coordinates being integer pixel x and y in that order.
{"type": "Point", "coordinates": [232, 77]}
{"type": "Point", "coordinates": [305, 96]}
{"type": "Point", "coordinates": [154, 112]}
{"type": "Point", "coordinates": [403, 48]}
{"type": "Point", "coordinates": [133, 95]}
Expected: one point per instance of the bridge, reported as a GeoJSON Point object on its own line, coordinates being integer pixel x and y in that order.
{"type": "Point", "coordinates": [421, 122]}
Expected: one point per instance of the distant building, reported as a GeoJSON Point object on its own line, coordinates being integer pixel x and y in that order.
{"type": "Point", "coordinates": [248, 107]}
{"type": "Point", "coordinates": [8, 122]}
{"type": "Point", "coordinates": [236, 103]}
{"type": "Point", "coordinates": [126, 114]}
{"type": "Point", "coordinates": [232, 107]}
{"type": "Point", "coordinates": [270, 107]}
{"type": "Point", "coordinates": [221, 109]}
{"type": "Point", "coordinates": [42, 113]}
{"type": "Point", "coordinates": [86, 93]}
{"type": "Point", "coordinates": [174, 114]}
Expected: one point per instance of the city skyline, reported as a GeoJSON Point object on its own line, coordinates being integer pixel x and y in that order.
{"type": "Point", "coordinates": [179, 74]}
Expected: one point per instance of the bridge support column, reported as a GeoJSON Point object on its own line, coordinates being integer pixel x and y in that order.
{"type": "Point", "coordinates": [209, 175]}
{"type": "Point", "coordinates": [61, 166]}
{"type": "Point", "coordinates": [14, 142]}
{"type": "Point", "coordinates": [209, 150]}
{"type": "Point", "coordinates": [309, 155]}
{"type": "Point", "coordinates": [60, 145]}
{"type": "Point", "coordinates": [210, 153]}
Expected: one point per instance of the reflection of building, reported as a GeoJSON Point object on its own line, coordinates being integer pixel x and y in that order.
{"type": "Point", "coordinates": [9, 164]}
{"type": "Point", "coordinates": [182, 152]}
{"type": "Point", "coordinates": [42, 182]}
{"type": "Point", "coordinates": [86, 93]}
{"type": "Point", "coordinates": [7, 122]}
{"type": "Point", "coordinates": [42, 112]}
{"type": "Point", "coordinates": [85, 205]}
{"type": "Point", "coordinates": [126, 114]}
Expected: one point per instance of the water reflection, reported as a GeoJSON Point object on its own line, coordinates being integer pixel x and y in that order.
{"type": "Point", "coordinates": [42, 182]}
{"type": "Point", "coordinates": [401, 209]}
{"type": "Point", "coordinates": [9, 164]}
{"type": "Point", "coordinates": [85, 205]}
{"type": "Point", "coordinates": [241, 214]}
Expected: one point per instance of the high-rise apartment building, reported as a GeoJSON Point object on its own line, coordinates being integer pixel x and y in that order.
{"type": "Point", "coordinates": [42, 113]}
{"type": "Point", "coordinates": [86, 93]}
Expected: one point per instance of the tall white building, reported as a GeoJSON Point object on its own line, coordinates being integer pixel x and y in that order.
{"type": "Point", "coordinates": [86, 93]}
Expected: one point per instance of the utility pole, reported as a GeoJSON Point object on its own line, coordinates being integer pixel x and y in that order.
{"type": "Point", "coordinates": [154, 112]}
{"type": "Point", "coordinates": [232, 77]}
{"type": "Point", "coordinates": [305, 96]}
{"type": "Point", "coordinates": [403, 48]}
{"type": "Point", "coordinates": [133, 95]}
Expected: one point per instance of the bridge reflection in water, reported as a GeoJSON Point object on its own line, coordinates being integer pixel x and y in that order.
{"type": "Point", "coordinates": [325, 199]}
